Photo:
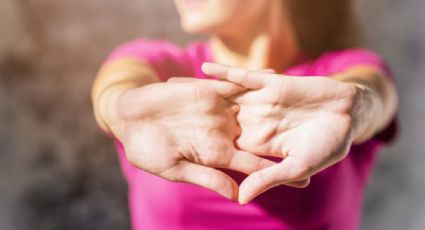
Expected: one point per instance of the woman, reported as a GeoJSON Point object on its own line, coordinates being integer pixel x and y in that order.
{"type": "Point", "coordinates": [253, 136]}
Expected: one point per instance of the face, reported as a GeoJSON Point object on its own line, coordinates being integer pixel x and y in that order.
{"type": "Point", "coordinates": [220, 16]}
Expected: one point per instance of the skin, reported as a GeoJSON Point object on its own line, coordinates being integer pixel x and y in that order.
{"type": "Point", "coordinates": [308, 122]}
{"type": "Point", "coordinates": [182, 141]}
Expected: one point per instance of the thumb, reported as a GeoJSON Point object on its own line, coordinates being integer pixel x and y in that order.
{"type": "Point", "coordinates": [289, 171]}
{"type": "Point", "coordinates": [181, 79]}
{"type": "Point", "coordinates": [225, 88]}
{"type": "Point", "coordinates": [242, 77]}
{"type": "Point", "coordinates": [210, 178]}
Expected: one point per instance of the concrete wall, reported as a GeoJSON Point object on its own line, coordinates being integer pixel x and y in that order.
{"type": "Point", "coordinates": [57, 171]}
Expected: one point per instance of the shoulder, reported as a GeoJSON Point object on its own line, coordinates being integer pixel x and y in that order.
{"type": "Point", "coordinates": [145, 49]}
{"type": "Point", "coordinates": [166, 58]}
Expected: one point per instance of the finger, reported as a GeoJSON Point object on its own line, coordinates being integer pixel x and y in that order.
{"type": "Point", "coordinates": [222, 88]}
{"type": "Point", "coordinates": [226, 89]}
{"type": "Point", "coordinates": [242, 97]}
{"type": "Point", "coordinates": [235, 109]}
{"type": "Point", "coordinates": [257, 131]}
{"type": "Point", "coordinates": [300, 184]}
{"type": "Point", "coordinates": [248, 163]}
{"type": "Point", "coordinates": [209, 178]}
{"type": "Point", "coordinates": [267, 70]}
{"type": "Point", "coordinates": [245, 78]}
{"type": "Point", "coordinates": [286, 172]}
{"type": "Point", "coordinates": [181, 79]}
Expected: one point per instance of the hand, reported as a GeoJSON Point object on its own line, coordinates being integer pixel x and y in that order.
{"type": "Point", "coordinates": [306, 121]}
{"type": "Point", "coordinates": [182, 131]}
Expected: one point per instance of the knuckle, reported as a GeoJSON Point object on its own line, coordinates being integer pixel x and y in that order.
{"type": "Point", "coordinates": [263, 163]}
{"type": "Point", "coordinates": [282, 89]}
{"type": "Point", "coordinates": [299, 184]}
{"type": "Point", "coordinates": [299, 171]}
{"type": "Point", "coordinates": [246, 77]}
{"type": "Point", "coordinates": [260, 177]}
{"type": "Point", "coordinates": [305, 183]}
{"type": "Point", "coordinates": [260, 164]}
{"type": "Point", "coordinates": [343, 151]}
{"type": "Point", "coordinates": [350, 96]}
{"type": "Point", "coordinates": [212, 158]}
{"type": "Point", "coordinates": [235, 108]}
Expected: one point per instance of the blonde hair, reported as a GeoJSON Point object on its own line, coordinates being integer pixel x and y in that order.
{"type": "Point", "coordinates": [324, 25]}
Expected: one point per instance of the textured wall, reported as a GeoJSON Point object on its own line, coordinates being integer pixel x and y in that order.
{"type": "Point", "coordinates": [57, 171]}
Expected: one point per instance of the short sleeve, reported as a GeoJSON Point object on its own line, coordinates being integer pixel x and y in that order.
{"type": "Point", "coordinates": [342, 60]}
{"type": "Point", "coordinates": [339, 61]}
{"type": "Point", "coordinates": [164, 57]}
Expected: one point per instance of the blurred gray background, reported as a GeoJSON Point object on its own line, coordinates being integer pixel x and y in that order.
{"type": "Point", "coordinates": [57, 171]}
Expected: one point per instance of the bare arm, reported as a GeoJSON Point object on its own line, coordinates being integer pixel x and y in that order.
{"type": "Point", "coordinates": [113, 79]}
{"type": "Point", "coordinates": [377, 102]}
{"type": "Point", "coordinates": [310, 122]}
{"type": "Point", "coordinates": [180, 131]}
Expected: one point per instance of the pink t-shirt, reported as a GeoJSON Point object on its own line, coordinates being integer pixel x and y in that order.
{"type": "Point", "coordinates": [333, 200]}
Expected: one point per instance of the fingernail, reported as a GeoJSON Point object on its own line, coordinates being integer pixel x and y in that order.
{"type": "Point", "coordinates": [206, 67]}
{"type": "Point", "coordinates": [243, 202]}
{"type": "Point", "coordinates": [213, 68]}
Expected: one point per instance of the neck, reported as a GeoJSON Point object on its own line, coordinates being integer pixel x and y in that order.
{"type": "Point", "coordinates": [272, 45]}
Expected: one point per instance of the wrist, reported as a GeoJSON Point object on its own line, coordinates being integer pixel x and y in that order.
{"type": "Point", "coordinates": [365, 107]}
{"type": "Point", "coordinates": [376, 102]}
{"type": "Point", "coordinates": [107, 114]}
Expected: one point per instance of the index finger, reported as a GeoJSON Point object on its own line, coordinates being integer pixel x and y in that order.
{"type": "Point", "coordinates": [246, 78]}
{"type": "Point", "coordinates": [289, 171]}
{"type": "Point", "coordinates": [207, 177]}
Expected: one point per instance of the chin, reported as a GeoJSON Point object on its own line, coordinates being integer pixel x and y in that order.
{"type": "Point", "coordinates": [198, 28]}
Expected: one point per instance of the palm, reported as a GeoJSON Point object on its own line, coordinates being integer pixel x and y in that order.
{"type": "Point", "coordinates": [187, 139]}
{"type": "Point", "coordinates": [316, 143]}
{"type": "Point", "coordinates": [274, 124]}
{"type": "Point", "coordinates": [306, 121]}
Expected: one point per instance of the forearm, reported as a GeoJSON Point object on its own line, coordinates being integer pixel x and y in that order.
{"type": "Point", "coordinates": [376, 101]}
{"type": "Point", "coordinates": [112, 80]}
